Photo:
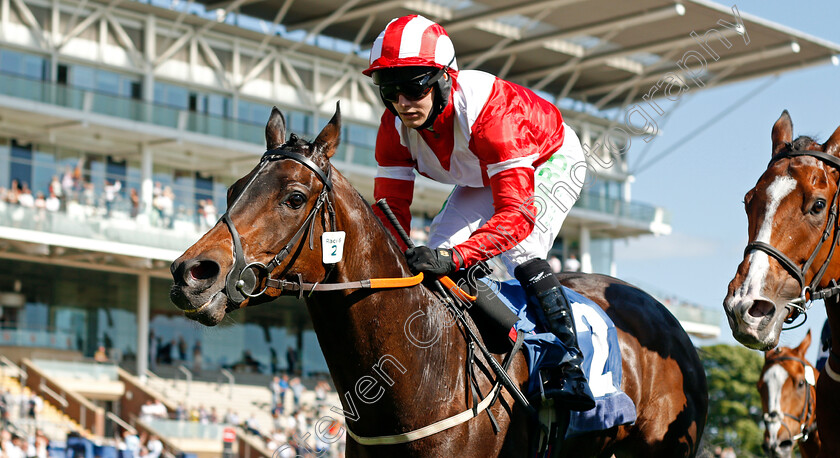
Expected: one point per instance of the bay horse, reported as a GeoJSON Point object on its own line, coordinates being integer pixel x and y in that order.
{"type": "Point", "coordinates": [792, 227]}
{"type": "Point", "coordinates": [389, 384]}
{"type": "Point", "coordinates": [788, 398]}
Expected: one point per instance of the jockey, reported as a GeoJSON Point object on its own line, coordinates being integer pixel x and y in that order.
{"type": "Point", "coordinates": [504, 148]}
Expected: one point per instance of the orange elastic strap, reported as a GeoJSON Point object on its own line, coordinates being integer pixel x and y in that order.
{"type": "Point", "coordinates": [455, 289]}
{"type": "Point", "coordinates": [396, 282]}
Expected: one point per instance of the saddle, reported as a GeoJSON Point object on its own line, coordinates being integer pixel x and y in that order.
{"type": "Point", "coordinates": [501, 310]}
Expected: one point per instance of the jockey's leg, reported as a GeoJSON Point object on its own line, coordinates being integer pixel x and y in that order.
{"type": "Point", "coordinates": [565, 383]}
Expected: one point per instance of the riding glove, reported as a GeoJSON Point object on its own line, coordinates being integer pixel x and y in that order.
{"type": "Point", "coordinates": [424, 259]}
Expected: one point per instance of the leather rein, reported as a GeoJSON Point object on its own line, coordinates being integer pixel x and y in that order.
{"type": "Point", "coordinates": [811, 291]}
{"type": "Point", "coordinates": [806, 425]}
{"type": "Point", "coordinates": [251, 279]}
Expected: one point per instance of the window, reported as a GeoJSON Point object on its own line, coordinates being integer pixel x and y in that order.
{"type": "Point", "coordinates": [26, 65]}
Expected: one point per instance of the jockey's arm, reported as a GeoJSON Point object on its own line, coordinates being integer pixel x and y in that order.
{"type": "Point", "coordinates": [510, 224]}
{"type": "Point", "coordinates": [394, 180]}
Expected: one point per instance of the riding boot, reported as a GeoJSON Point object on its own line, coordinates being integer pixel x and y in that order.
{"type": "Point", "coordinates": [565, 383]}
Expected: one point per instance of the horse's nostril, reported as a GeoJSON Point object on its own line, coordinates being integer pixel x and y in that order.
{"type": "Point", "coordinates": [761, 308]}
{"type": "Point", "coordinates": [204, 270]}
{"type": "Point", "coordinates": [786, 444]}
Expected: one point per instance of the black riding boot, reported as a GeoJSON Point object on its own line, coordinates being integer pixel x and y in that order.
{"type": "Point", "coordinates": [566, 383]}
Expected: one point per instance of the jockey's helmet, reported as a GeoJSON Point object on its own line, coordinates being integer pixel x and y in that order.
{"type": "Point", "coordinates": [411, 57]}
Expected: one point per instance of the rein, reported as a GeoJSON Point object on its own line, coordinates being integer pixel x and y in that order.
{"type": "Point", "coordinates": [806, 425]}
{"type": "Point", "coordinates": [798, 305]}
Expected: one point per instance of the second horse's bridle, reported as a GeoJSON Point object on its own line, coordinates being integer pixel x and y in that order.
{"type": "Point", "coordinates": [804, 418]}
{"type": "Point", "coordinates": [246, 280]}
{"type": "Point", "coordinates": [798, 305]}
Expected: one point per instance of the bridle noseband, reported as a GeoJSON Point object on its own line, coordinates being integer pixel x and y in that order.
{"type": "Point", "coordinates": [246, 280]}
{"type": "Point", "coordinates": [798, 305]}
{"type": "Point", "coordinates": [804, 418]}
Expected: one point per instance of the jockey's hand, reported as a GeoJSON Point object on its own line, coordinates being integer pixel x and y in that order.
{"type": "Point", "coordinates": [424, 259]}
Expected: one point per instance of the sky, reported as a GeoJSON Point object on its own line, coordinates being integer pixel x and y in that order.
{"type": "Point", "coordinates": [702, 179]}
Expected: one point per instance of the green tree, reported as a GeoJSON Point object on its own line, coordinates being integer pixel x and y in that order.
{"type": "Point", "coordinates": [734, 403]}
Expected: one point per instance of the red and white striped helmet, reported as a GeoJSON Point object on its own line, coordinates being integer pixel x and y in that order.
{"type": "Point", "coordinates": [412, 41]}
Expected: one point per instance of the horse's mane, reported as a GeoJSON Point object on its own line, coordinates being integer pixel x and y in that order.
{"type": "Point", "coordinates": [803, 142]}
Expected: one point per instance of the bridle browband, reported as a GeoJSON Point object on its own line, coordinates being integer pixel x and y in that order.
{"type": "Point", "coordinates": [806, 426]}
{"type": "Point", "coordinates": [798, 305]}
{"type": "Point", "coordinates": [244, 279]}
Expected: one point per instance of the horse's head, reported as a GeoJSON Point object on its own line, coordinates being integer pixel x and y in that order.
{"type": "Point", "coordinates": [792, 217]}
{"type": "Point", "coordinates": [273, 212]}
{"type": "Point", "coordinates": [787, 393]}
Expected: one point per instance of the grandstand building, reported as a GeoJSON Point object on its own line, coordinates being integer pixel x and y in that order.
{"type": "Point", "coordinates": [131, 118]}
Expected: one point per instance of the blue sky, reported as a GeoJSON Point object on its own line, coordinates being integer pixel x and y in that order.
{"type": "Point", "coordinates": [702, 180]}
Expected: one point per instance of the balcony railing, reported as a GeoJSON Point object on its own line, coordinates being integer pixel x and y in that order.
{"type": "Point", "coordinates": [91, 225]}
{"type": "Point", "coordinates": [128, 108]}
{"type": "Point", "coordinates": [631, 210]}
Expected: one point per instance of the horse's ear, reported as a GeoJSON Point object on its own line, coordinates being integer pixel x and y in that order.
{"type": "Point", "coordinates": [832, 145]}
{"type": "Point", "coordinates": [328, 139]}
{"type": "Point", "coordinates": [806, 342]}
{"type": "Point", "coordinates": [275, 130]}
{"type": "Point", "coordinates": [782, 132]}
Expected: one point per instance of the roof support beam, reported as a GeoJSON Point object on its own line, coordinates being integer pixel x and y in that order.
{"type": "Point", "coordinates": [605, 57]}
{"type": "Point", "coordinates": [519, 8]}
{"type": "Point", "coordinates": [741, 59]}
{"type": "Point", "coordinates": [589, 29]}
{"type": "Point", "coordinates": [360, 12]}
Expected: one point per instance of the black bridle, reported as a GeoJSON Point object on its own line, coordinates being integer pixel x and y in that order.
{"type": "Point", "coordinates": [798, 305]}
{"type": "Point", "coordinates": [246, 280]}
{"type": "Point", "coordinates": [804, 418]}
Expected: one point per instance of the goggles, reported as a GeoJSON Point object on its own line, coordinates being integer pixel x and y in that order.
{"type": "Point", "coordinates": [412, 88]}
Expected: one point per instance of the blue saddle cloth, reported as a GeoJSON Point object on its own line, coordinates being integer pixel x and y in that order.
{"type": "Point", "coordinates": [598, 341]}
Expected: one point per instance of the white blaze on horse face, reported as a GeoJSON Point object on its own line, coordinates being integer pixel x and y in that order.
{"type": "Point", "coordinates": [752, 286]}
{"type": "Point", "coordinates": [774, 379]}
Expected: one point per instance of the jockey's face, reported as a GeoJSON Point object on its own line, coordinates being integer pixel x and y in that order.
{"type": "Point", "coordinates": [414, 113]}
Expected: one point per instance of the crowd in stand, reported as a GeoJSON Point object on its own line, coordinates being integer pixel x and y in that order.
{"type": "Point", "coordinates": [73, 189]}
{"type": "Point", "coordinates": [15, 443]}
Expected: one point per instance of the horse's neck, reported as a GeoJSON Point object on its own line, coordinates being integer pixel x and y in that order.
{"type": "Point", "coordinates": [400, 338]}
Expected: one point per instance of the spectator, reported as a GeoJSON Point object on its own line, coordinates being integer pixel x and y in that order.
{"type": "Point", "coordinates": [111, 192]}
{"type": "Point", "coordinates": [182, 348]}
{"type": "Point", "coordinates": [132, 443]}
{"type": "Point", "coordinates": [154, 447]}
{"type": "Point", "coordinates": [572, 263]}
{"type": "Point", "coordinates": [101, 356]}
{"type": "Point", "coordinates": [68, 184]}
{"type": "Point", "coordinates": [167, 203]}
{"type": "Point", "coordinates": [274, 387]}
{"type": "Point", "coordinates": [40, 445]}
{"type": "Point", "coordinates": [135, 202]}
{"type": "Point", "coordinates": [25, 199]}
{"type": "Point", "coordinates": [252, 425]}
{"type": "Point", "coordinates": [321, 389]}
{"type": "Point", "coordinates": [197, 357]}
{"type": "Point", "coordinates": [297, 390]}
{"type": "Point", "coordinates": [55, 187]}
{"type": "Point", "coordinates": [147, 411]}
{"type": "Point", "coordinates": [180, 412]}
{"type": "Point", "coordinates": [213, 417]}
{"type": "Point", "coordinates": [209, 213]}
{"type": "Point", "coordinates": [291, 360]}
{"type": "Point", "coordinates": [53, 203]}
{"type": "Point", "coordinates": [231, 418]}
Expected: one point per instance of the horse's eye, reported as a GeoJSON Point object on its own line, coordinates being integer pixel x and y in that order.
{"type": "Point", "coordinates": [801, 383]}
{"type": "Point", "coordinates": [296, 200]}
{"type": "Point", "coordinates": [818, 206]}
